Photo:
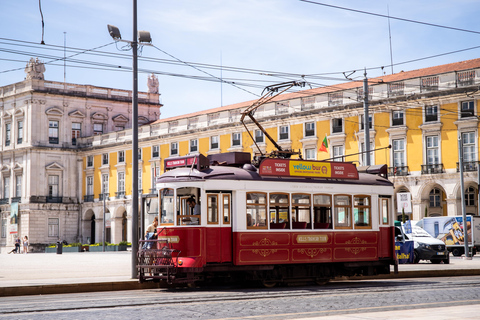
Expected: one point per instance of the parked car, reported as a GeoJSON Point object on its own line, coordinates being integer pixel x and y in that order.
{"type": "Point", "coordinates": [427, 247]}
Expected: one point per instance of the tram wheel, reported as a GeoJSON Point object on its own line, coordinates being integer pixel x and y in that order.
{"type": "Point", "coordinates": [269, 283]}
{"type": "Point", "coordinates": [321, 281]}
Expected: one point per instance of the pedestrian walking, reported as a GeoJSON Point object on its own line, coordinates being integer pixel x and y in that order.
{"type": "Point", "coordinates": [25, 244]}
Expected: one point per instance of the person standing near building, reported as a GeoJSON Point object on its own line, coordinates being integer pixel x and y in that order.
{"type": "Point", "coordinates": [25, 244]}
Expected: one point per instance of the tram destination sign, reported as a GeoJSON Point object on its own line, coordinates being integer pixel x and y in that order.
{"type": "Point", "coordinates": [308, 169]}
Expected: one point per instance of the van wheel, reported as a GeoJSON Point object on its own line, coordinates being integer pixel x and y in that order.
{"type": "Point", "coordinates": [416, 256]}
{"type": "Point", "coordinates": [457, 252]}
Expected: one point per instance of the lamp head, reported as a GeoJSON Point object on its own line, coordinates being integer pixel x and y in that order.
{"type": "Point", "coordinates": [144, 37]}
{"type": "Point", "coordinates": [114, 32]}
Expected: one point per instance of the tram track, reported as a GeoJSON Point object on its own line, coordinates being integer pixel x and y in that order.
{"type": "Point", "coordinates": [171, 298]}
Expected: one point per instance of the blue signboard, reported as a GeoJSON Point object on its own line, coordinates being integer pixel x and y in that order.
{"type": "Point", "coordinates": [404, 251]}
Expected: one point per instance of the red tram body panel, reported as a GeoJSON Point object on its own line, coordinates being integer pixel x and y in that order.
{"type": "Point", "coordinates": [294, 224]}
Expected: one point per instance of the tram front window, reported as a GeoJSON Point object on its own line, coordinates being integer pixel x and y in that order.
{"type": "Point", "coordinates": [166, 206]}
{"type": "Point", "coordinates": [188, 206]}
{"type": "Point", "coordinates": [256, 210]}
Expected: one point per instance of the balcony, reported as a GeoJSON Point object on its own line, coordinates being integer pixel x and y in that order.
{"type": "Point", "coordinates": [51, 199]}
{"type": "Point", "coordinates": [432, 168]}
{"type": "Point", "coordinates": [5, 201]}
{"type": "Point", "coordinates": [398, 171]}
{"type": "Point", "coordinates": [16, 199]}
{"type": "Point", "coordinates": [154, 191]}
{"type": "Point", "coordinates": [100, 197]}
{"type": "Point", "coordinates": [120, 195]}
{"type": "Point", "coordinates": [468, 166]}
{"type": "Point", "coordinates": [88, 198]}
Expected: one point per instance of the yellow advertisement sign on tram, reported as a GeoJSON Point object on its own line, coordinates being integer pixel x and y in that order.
{"type": "Point", "coordinates": [310, 168]}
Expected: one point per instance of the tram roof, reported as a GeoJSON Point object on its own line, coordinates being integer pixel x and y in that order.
{"type": "Point", "coordinates": [250, 173]}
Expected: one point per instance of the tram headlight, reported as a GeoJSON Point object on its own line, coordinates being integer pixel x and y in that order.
{"type": "Point", "coordinates": [180, 262]}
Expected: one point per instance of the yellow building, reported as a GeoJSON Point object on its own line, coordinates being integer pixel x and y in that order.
{"type": "Point", "coordinates": [421, 114]}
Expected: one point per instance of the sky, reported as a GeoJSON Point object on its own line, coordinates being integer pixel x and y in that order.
{"type": "Point", "coordinates": [212, 53]}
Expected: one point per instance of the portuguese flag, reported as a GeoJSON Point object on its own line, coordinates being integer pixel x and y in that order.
{"type": "Point", "coordinates": [324, 146]}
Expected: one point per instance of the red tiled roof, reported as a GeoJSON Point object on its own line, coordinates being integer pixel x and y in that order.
{"type": "Point", "coordinates": [403, 75]}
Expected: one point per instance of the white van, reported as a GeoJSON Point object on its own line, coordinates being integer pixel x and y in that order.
{"type": "Point", "coordinates": [427, 247]}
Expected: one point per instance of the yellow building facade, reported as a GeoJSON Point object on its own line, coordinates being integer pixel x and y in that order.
{"type": "Point", "coordinates": [421, 114]}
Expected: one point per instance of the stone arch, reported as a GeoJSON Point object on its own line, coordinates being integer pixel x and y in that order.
{"type": "Point", "coordinates": [434, 199]}
{"type": "Point", "coordinates": [120, 224]}
{"type": "Point", "coordinates": [471, 197]}
{"type": "Point", "coordinates": [89, 226]}
{"type": "Point", "coordinates": [402, 189]}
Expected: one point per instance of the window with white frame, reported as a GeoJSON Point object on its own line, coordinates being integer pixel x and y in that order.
{"type": "Point", "coordinates": [236, 139]}
{"type": "Point", "coordinates": [53, 186]}
{"type": "Point", "coordinates": [468, 142]}
{"type": "Point", "coordinates": [470, 196]}
{"type": "Point", "coordinates": [398, 153]}
{"type": "Point", "coordinates": [6, 187]}
{"type": "Point", "coordinates": [193, 145]}
{"type": "Point", "coordinates": [4, 227]}
{"type": "Point", "coordinates": [467, 109]}
{"type": "Point", "coordinates": [259, 136]}
{"type": "Point", "coordinates": [53, 132]}
{"type": "Point", "coordinates": [139, 153]}
{"type": "Point", "coordinates": [19, 132]}
{"type": "Point", "coordinates": [431, 113]}
{"type": "Point", "coordinates": [121, 156]}
{"type": "Point", "coordinates": [104, 183]}
{"type": "Point", "coordinates": [76, 130]}
{"type": "Point", "coordinates": [155, 151]}
{"type": "Point", "coordinates": [338, 153]}
{"type": "Point", "coordinates": [283, 133]}
{"type": "Point", "coordinates": [89, 161]}
{"type": "Point", "coordinates": [174, 148]}
{"type": "Point", "coordinates": [364, 154]}
{"type": "Point", "coordinates": [309, 129]}
{"type": "Point", "coordinates": [8, 133]}
{"type": "Point", "coordinates": [53, 227]}
{"type": "Point", "coordinates": [310, 154]}
{"type": "Point", "coordinates": [337, 125]}
{"type": "Point", "coordinates": [121, 182]}
{"type": "Point", "coordinates": [155, 174]}
{"type": "Point", "coordinates": [435, 198]}
{"type": "Point", "coordinates": [370, 121]}
{"type": "Point", "coordinates": [18, 186]}
{"type": "Point", "coordinates": [97, 129]}
{"type": "Point", "coordinates": [432, 150]}
{"type": "Point", "coordinates": [90, 186]}
{"type": "Point", "coordinates": [105, 159]}
{"type": "Point", "coordinates": [397, 118]}
{"type": "Point", "coordinates": [214, 142]}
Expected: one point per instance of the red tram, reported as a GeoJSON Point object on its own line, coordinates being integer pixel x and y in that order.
{"type": "Point", "coordinates": [284, 220]}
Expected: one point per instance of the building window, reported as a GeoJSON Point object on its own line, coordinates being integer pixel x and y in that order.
{"type": "Point", "coordinates": [310, 154]}
{"type": "Point", "coordinates": [4, 227]}
{"type": "Point", "coordinates": [343, 212]}
{"type": "Point", "coordinates": [6, 187]}
{"type": "Point", "coordinates": [398, 153]}
{"type": "Point", "coordinates": [155, 174]}
{"type": "Point", "coordinates": [53, 227]}
{"type": "Point", "coordinates": [105, 159]}
{"type": "Point", "coordinates": [121, 156]}
{"type": "Point", "coordinates": [337, 153]}
{"type": "Point", "coordinates": [53, 186]}
{"type": "Point", "coordinates": [468, 141]}
{"type": "Point", "coordinates": [19, 132]}
{"type": "Point", "coordinates": [259, 136]}
{"type": "Point", "coordinates": [470, 196]}
{"type": "Point", "coordinates": [236, 139]}
{"type": "Point", "coordinates": [18, 186]}
{"type": "Point", "coordinates": [283, 133]}
{"type": "Point", "coordinates": [139, 153]}
{"type": "Point", "coordinates": [155, 151]}
{"type": "Point", "coordinates": [104, 183]}
{"type": "Point", "coordinates": [310, 129]}
{"type": "Point", "coordinates": [364, 154]}
{"type": "Point", "coordinates": [89, 161]}
{"type": "Point", "coordinates": [53, 132]}
{"type": "Point", "coordinates": [337, 125]}
{"type": "Point", "coordinates": [97, 129]}
{"type": "Point", "coordinates": [89, 186]}
{"type": "Point", "coordinates": [335, 99]}
{"type": "Point", "coordinates": [193, 145]}
{"type": "Point", "coordinates": [466, 78]}
{"type": "Point", "coordinates": [397, 118]}
{"type": "Point", "coordinates": [362, 119]}
{"type": "Point", "coordinates": [76, 129]}
{"type": "Point", "coordinates": [173, 148]}
{"type": "Point", "coordinates": [431, 113]}
{"type": "Point", "coordinates": [467, 109]}
{"type": "Point", "coordinates": [121, 183]}
{"type": "Point", "coordinates": [435, 197]}
{"type": "Point", "coordinates": [432, 150]}
{"type": "Point", "coordinates": [8, 133]}
{"type": "Point", "coordinates": [213, 142]}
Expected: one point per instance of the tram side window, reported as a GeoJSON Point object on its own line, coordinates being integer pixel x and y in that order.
{"type": "Point", "coordinates": [362, 211]}
{"type": "Point", "coordinates": [188, 206]}
{"type": "Point", "coordinates": [212, 209]}
{"type": "Point", "coordinates": [226, 208]}
{"type": "Point", "coordinates": [166, 206]}
{"type": "Point", "coordinates": [322, 211]}
{"type": "Point", "coordinates": [343, 211]}
{"type": "Point", "coordinates": [301, 204]}
{"type": "Point", "coordinates": [256, 210]}
{"type": "Point", "coordinates": [384, 211]}
{"type": "Point", "coordinates": [279, 211]}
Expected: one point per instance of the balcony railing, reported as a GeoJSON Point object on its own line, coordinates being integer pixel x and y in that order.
{"type": "Point", "coordinates": [468, 166]}
{"type": "Point", "coordinates": [153, 191]}
{"type": "Point", "coordinates": [432, 168]}
{"type": "Point", "coordinates": [54, 199]}
{"type": "Point", "coordinates": [88, 198]}
{"type": "Point", "coordinates": [16, 199]}
{"type": "Point", "coordinates": [120, 195]}
{"type": "Point", "coordinates": [398, 171]}
{"type": "Point", "coordinates": [4, 201]}
{"type": "Point", "coordinates": [100, 197]}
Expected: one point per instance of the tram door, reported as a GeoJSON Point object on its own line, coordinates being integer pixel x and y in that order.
{"type": "Point", "coordinates": [219, 230]}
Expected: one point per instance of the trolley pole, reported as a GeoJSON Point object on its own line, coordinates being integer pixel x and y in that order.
{"type": "Point", "coordinates": [464, 215]}
{"type": "Point", "coordinates": [366, 119]}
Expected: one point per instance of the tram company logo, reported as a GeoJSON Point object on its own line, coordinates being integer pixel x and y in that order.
{"type": "Point", "coordinates": [308, 169]}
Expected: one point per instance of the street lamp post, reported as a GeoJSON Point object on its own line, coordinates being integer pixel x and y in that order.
{"type": "Point", "coordinates": [143, 38]}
